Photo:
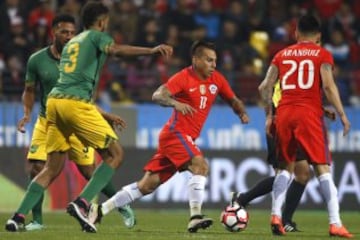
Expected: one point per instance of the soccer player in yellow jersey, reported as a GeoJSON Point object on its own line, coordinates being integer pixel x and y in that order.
{"type": "Point", "coordinates": [43, 71]}
{"type": "Point", "coordinates": [70, 110]}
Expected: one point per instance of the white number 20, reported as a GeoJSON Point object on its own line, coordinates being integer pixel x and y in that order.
{"type": "Point", "coordinates": [300, 69]}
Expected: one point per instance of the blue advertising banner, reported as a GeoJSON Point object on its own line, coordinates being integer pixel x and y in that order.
{"type": "Point", "coordinates": [222, 131]}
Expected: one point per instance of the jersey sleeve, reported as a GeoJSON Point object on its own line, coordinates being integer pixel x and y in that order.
{"type": "Point", "coordinates": [176, 83]}
{"type": "Point", "coordinates": [225, 90]}
{"type": "Point", "coordinates": [31, 74]}
{"type": "Point", "coordinates": [276, 60]}
{"type": "Point", "coordinates": [102, 41]}
{"type": "Point", "coordinates": [327, 57]}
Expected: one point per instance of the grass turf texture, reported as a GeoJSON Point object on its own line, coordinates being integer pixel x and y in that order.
{"type": "Point", "coordinates": [171, 224]}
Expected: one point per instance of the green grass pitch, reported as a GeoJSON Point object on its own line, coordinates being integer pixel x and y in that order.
{"type": "Point", "coordinates": [171, 225]}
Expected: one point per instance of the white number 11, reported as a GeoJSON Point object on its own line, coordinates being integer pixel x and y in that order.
{"type": "Point", "coordinates": [203, 100]}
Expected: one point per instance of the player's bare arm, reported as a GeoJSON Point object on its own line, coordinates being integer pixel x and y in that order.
{"type": "Point", "coordinates": [128, 50]}
{"type": "Point", "coordinates": [266, 91]}
{"type": "Point", "coordinates": [332, 94]}
{"type": "Point", "coordinates": [239, 109]}
{"type": "Point", "coordinates": [267, 86]}
{"type": "Point", "coordinates": [112, 118]}
{"type": "Point", "coordinates": [163, 97]}
{"type": "Point", "coordinates": [28, 99]}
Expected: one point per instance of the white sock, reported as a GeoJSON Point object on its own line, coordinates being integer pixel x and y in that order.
{"type": "Point", "coordinates": [329, 192]}
{"type": "Point", "coordinates": [278, 194]}
{"type": "Point", "coordinates": [196, 188]}
{"type": "Point", "coordinates": [125, 196]}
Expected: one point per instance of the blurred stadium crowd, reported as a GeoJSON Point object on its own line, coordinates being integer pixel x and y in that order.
{"type": "Point", "coordinates": [247, 33]}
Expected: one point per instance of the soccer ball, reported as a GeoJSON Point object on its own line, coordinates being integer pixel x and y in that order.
{"type": "Point", "coordinates": [234, 218]}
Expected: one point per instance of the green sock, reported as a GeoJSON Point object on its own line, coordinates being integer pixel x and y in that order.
{"type": "Point", "coordinates": [98, 181]}
{"type": "Point", "coordinates": [32, 196]}
{"type": "Point", "coordinates": [37, 210]}
{"type": "Point", "coordinates": [109, 190]}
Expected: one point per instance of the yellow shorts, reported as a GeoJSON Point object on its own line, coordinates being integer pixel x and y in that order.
{"type": "Point", "coordinates": [78, 153]}
{"type": "Point", "coordinates": [67, 116]}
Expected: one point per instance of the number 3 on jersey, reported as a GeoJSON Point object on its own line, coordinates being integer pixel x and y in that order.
{"type": "Point", "coordinates": [73, 51]}
{"type": "Point", "coordinates": [300, 74]}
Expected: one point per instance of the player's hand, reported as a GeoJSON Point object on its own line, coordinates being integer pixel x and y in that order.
{"type": "Point", "coordinates": [163, 49]}
{"type": "Point", "coordinates": [244, 118]}
{"type": "Point", "coordinates": [21, 124]}
{"type": "Point", "coordinates": [330, 114]}
{"type": "Point", "coordinates": [116, 121]}
{"type": "Point", "coordinates": [184, 108]}
{"type": "Point", "coordinates": [268, 125]}
{"type": "Point", "coordinates": [346, 124]}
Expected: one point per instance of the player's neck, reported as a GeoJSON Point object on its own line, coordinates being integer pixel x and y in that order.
{"type": "Point", "coordinates": [197, 74]}
{"type": "Point", "coordinates": [307, 40]}
{"type": "Point", "coordinates": [55, 52]}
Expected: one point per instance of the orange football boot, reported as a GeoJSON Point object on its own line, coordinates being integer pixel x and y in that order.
{"type": "Point", "coordinates": [277, 227]}
{"type": "Point", "coordinates": [339, 231]}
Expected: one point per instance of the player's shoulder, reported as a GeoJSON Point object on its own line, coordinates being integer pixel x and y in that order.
{"type": "Point", "coordinates": [39, 55]}
{"type": "Point", "coordinates": [218, 76]}
{"type": "Point", "coordinates": [95, 34]}
{"type": "Point", "coordinates": [184, 73]}
{"type": "Point", "coordinates": [325, 51]}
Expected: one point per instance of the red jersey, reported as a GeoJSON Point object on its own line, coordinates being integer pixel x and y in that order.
{"type": "Point", "coordinates": [186, 87]}
{"type": "Point", "coordinates": [299, 74]}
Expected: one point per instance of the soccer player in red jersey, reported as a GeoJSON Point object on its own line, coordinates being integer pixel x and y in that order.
{"type": "Point", "coordinates": [305, 73]}
{"type": "Point", "coordinates": [191, 92]}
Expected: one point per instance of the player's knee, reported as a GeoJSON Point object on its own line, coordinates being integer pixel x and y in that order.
{"type": "Point", "coordinates": [302, 177]}
{"type": "Point", "coordinates": [147, 187]}
{"type": "Point", "coordinates": [149, 183]}
{"type": "Point", "coordinates": [113, 155]}
{"type": "Point", "coordinates": [86, 170]}
{"type": "Point", "coordinates": [35, 167]}
{"type": "Point", "coordinates": [199, 166]}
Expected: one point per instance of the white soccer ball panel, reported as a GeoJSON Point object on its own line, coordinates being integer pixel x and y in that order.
{"type": "Point", "coordinates": [242, 215]}
{"type": "Point", "coordinates": [230, 220]}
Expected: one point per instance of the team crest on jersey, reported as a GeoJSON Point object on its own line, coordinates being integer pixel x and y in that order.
{"type": "Point", "coordinates": [213, 88]}
{"type": "Point", "coordinates": [34, 148]}
{"type": "Point", "coordinates": [202, 89]}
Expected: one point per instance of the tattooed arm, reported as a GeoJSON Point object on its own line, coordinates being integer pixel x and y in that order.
{"type": "Point", "coordinates": [266, 88]}
{"type": "Point", "coordinates": [266, 92]}
{"type": "Point", "coordinates": [332, 94]}
{"type": "Point", "coordinates": [163, 97]}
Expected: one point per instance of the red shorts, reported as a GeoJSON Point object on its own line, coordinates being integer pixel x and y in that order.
{"type": "Point", "coordinates": [298, 128]}
{"type": "Point", "coordinates": [175, 149]}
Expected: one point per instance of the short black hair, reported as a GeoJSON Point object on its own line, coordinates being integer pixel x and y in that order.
{"type": "Point", "coordinates": [62, 18]}
{"type": "Point", "coordinates": [198, 46]}
{"type": "Point", "coordinates": [308, 24]}
{"type": "Point", "coordinates": [91, 11]}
